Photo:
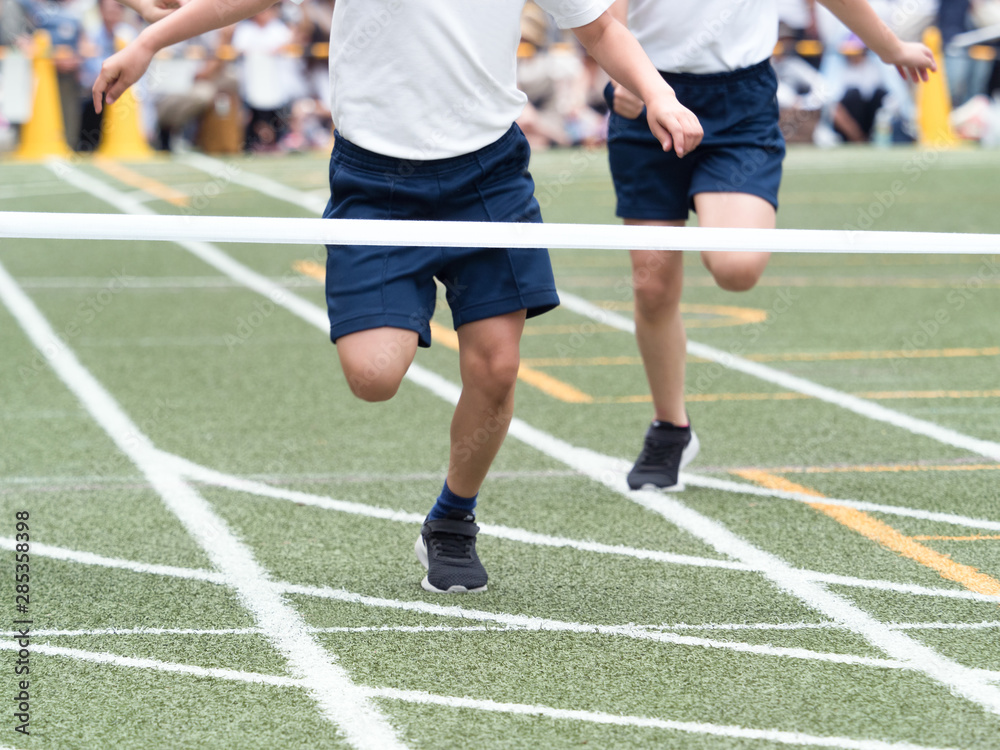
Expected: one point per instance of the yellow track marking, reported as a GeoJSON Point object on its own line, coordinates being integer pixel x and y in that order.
{"type": "Point", "coordinates": [581, 361]}
{"type": "Point", "coordinates": [533, 329]}
{"type": "Point", "coordinates": [728, 315]}
{"type": "Point", "coordinates": [974, 538]}
{"type": "Point", "coordinates": [989, 351]}
{"type": "Point", "coordinates": [891, 469]}
{"type": "Point", "coordinates": [142, 182]}
{"type": "Point", "coordinates": [545, 383]}
{"type": "Point", "coordinates": [886, 535]}
{"type": "Point", "coordinates": [930, 394]}
{"type": "Point", "coordinates": [794, 396]}
{"type": "Point", "coordinates": [310, 268]}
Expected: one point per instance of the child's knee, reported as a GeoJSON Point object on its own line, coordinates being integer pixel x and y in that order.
{"type": "Point", "coordinates": [370, 380]}
{"type": "Point", "coordinates": [736, 274]}
{"type": "Point", "coordinates": [655, 293]}
{"type": "Point", "coordinates": [494, 372]}
{"type": "Point", "coordinates": [370, 386]}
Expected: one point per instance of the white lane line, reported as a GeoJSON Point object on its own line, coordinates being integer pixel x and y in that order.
{"type": "Point", "coordinates": [498, 628]}
{"type": "Point", "coordinates": [98, 657]}
{"type": "Point", "coordinates": [854, 404]}
{"type": "Point", "coordinates": [89, 558]}
{"type": "Point", "coordinates": [327, 682]}
{"type": "Point", "coordinates": [525, 622]}
{"type": "Point", "coordinates": [234, 173]}
{"type": "Point", "coordinates": [141, 631]}
{"type": "Point", "coordinates": [960, 680]}
{"type": "Point", "coordinates": [596, 717]}
{"type": "Point", "coordinates": [519, 709]}
{"type": "Point", "coordinates": [220, 479]}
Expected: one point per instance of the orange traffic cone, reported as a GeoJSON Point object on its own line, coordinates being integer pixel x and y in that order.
{"type": "Point", "coordinates": [122, 136]}
{"type": "Point", "coordinates": [43, 136]}
{"type": "Point", "coordinates": [934, 102]}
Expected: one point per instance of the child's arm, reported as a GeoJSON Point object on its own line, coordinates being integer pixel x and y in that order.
{"type": "Point", "coordinates": [627, 104]}
{"type": "Point", "coordinates": [126, 67]}
{"type": "Point", "coordinates": [614, 48]}
{"type": "Point", "coordinates": [153, 10]}
{"type": "Point", "coordinates": [912, 60]}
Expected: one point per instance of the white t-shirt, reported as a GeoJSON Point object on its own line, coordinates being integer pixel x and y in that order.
{"type": "Point", "coordinates": [704, 36]}
{"type": "Point", "coordinates": [431, 79]}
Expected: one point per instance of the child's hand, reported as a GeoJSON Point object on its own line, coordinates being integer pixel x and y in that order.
{"type": "Point", "coordinates": [673, 124]}
{"type": "Point", "coordinates": [627, 104]}
{"type": "Point", "coordinates": [120, 71]}
{"type": "Point", "coordinates": [913, 61]}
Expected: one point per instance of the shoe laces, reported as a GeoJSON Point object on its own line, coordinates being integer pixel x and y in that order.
{"type": "Point", "coordinates": [455, 546]}
{"type": "Point", "coordinates": [661, 453]}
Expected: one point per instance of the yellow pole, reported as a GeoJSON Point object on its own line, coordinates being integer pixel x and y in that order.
{"type": "Point", "coordinates": [43, 136]}
{"type": "Point", "coordinates": [934, 102]}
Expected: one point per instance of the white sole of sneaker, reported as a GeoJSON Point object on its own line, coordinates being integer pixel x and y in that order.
{"type": "Point", "coordinates": [421, 550]}
{"type": "Point", "coordinates": [689, 454]}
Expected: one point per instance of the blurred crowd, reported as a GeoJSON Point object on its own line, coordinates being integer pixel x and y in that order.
{"type": "Point", "coordinates": [263, 81]}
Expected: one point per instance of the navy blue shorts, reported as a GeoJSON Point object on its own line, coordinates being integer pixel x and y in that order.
{"type": "Point", "coordinates": [741, 152]}
{"type": "Point", "coordinates": [375, 286]}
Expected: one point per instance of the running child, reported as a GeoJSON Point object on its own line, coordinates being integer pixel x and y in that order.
{"type": "Point", "coordinates": [424, 97]}
{"type": "Point", "coordinates": [715, 54]}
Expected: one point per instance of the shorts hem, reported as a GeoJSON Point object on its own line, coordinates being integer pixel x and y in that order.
{"type": "Point", "coordinates": [535, 303]}
{"type": "Point", "coordinates": [381, 320]}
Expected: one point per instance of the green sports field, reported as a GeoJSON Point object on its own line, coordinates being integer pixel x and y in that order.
{"type": "Point", "coordinates": [219, 537]}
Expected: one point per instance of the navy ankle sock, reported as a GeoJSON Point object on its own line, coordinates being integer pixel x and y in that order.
{"type": "Point", "coordinates": [448, 501]}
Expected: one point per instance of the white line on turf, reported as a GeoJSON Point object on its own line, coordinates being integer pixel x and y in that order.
{"type": "Point", "coordinates": [234, 173]}
{"type": "Point", "coordinates": [327, 682]}
{"type": "Point", "coordinates": [219, 479]}
{"type": "Point", "coordinates": [524, 622]}
{"type": "Point", "coordinates": [97, 657]}
{"type": "Point", "coordinates": [228, 481]}
{"type": "Point", "coordinates": [597, 717]}
{"type": "Point", "coordinates": [497, 628]}
{"type": "Point", "coordinates": [854, 404]}
{"type": "Point", "coordinates": [89, 558]}
{"type": "Point", "coordinates": [961, 681]}
{"type": "Point", "coordinates": [518, 709]}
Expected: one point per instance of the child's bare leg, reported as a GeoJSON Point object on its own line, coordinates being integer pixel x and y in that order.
{"type": "Point", "coordinates": [489, 357]}
{"type": "Point", "coordinates": [657, 277]}
{"type": "Point", "coordinates": [375, 361]}
{"type": "Point", "coordinates": [735, 271]}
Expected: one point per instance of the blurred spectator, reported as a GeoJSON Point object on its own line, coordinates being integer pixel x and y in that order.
{"type": "Point", "coordinates": [310, 125]}
{"type": "Point", "coordinates": [859, 92]}
{"type": "Point", "coordinates": [802, 94]}
{"type": "Point", "coordinates": [797, 19]}
{"type": "Point", "coordinates": [270, 78]}
{"type": "Point", "coordinates": [183, 87]}
{"type": "Point", "coordinates": [558, 85]}
{"type": "Point", "coordinates": [966, 76]}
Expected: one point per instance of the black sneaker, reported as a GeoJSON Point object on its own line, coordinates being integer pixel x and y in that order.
{"type": "Point", "coordinates": [447, 549]}
{"type": "Point", "coordinates": [666, 450]}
